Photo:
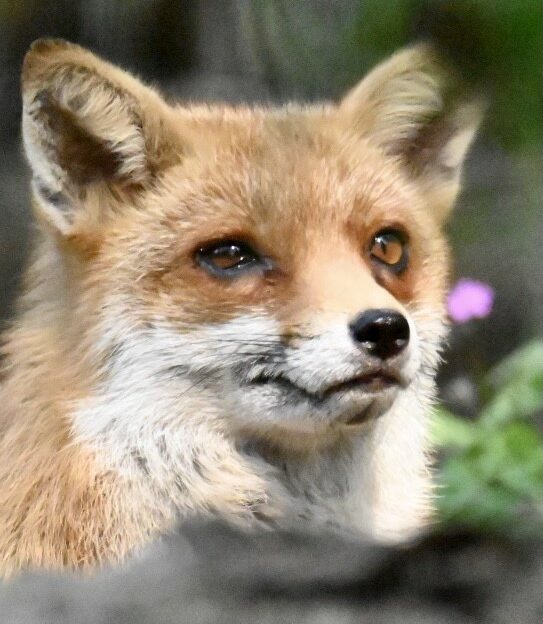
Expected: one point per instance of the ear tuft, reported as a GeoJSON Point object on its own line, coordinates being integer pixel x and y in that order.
{"type": "Point", "coordinates": [398, 96]}
{"type": "Point", "coordinates": [86, 121]}
{"type": "Point", "coordinates": [414, 108]}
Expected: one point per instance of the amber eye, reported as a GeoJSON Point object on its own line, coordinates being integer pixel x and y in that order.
{"type": "Point", "coordinates": [229, 259]}
{"type": "Point", "coordinates": [389, 247]}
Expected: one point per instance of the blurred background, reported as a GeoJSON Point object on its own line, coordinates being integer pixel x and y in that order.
{"type": "Point", "coordinates": [488, 430]}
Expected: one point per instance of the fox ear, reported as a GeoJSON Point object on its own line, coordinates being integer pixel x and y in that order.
{"type": "Point", "coordinates": [412, 107]}
{"type": "Point", "coordinates": [86, 121]}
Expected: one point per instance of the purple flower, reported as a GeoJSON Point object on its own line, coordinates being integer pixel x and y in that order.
{"type": "Point", "coordinates": [470, 299]}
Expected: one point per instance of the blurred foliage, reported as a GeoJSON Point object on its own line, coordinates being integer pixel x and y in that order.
{"type": "Point", "coordinates": [491, 476]}
{"type": "Point", "coordinates": [497, 44]}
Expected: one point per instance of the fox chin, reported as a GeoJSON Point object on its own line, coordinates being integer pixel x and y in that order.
{"type": "Point", "coordinates": [228, 311]}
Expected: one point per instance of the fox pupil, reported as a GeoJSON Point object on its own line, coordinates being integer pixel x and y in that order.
{"type": "Point", "coordinates": [389, 248]}
{"type": "Point", "coordinates": [229, 256]}
{"type": "Point", "coordinates": [227, 259]}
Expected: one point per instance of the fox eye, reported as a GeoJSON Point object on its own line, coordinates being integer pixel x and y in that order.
{"type": "Point", "coordinates": [229, 259]}
{"type": "Point", "coordinates": [389, 247]}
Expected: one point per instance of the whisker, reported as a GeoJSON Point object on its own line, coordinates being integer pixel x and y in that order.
{"type": "Point", "coordinates": [237, 341]}
{"type": "Point", "coordinates": [195, 384]}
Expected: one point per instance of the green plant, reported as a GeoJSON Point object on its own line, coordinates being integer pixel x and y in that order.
{"type": "Point", "coordinates": [491, 474]}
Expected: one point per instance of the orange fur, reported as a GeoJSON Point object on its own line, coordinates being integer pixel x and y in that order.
{"type": "Point", "coordinates": [126, 189]}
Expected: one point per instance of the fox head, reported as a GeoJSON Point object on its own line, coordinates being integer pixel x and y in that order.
{"type": "Point", "coordinates": [275, 273]}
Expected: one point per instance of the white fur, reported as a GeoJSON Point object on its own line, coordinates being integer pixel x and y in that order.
{"type": "Point", "coordinates": [155, 424]}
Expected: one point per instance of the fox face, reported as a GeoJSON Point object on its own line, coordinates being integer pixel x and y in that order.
{"type": "Point", "coordinates": [300, 290]}
{"type": "Point", "coordinates": [247, 304]}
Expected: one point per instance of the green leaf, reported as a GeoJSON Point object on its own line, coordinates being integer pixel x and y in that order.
{"type": "Point", "coordinates": [523, 472]}
{"type": "Point", "coordinates": [458, 488]}
{"type": "Point", "coordinates": [466, 500]}
{"type": "Point", "coordinates": [448, 430]}
{"type": "Point", "coordinates": [521, 398]}
{"type": "Point", "coordinates": [519, 383]}
{"type": "Point", "coordinates": [526, 363]}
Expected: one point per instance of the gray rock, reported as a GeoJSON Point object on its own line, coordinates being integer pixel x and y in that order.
{"type": "Point", "coordinates": [215, 574]}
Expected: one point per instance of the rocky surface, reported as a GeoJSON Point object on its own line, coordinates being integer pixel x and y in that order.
{"type": "Point", "coordinates": [213, 574]}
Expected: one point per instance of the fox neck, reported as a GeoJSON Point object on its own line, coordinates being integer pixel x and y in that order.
{"type": "Point", "coordinates": [373, 481]}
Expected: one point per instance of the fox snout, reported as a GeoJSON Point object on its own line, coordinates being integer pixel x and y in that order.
{"type": "Point", "coordinates": [348, 370]}
{"type": "Point", "coordinates": [381, 333]}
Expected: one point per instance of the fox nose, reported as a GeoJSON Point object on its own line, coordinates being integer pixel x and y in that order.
{"type": "Point", "coordinates": [382, 333]}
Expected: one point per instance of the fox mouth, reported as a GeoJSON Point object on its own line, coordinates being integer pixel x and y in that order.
{"type": "Point", "coordinates": [371, 383]}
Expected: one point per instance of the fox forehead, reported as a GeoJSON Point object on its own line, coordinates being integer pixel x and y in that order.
{"type": "Point", "coordinates": [291, 151]}
{"type": "Point", "coordinates": [280, 171]}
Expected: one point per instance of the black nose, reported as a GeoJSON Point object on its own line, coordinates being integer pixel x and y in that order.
{"type": "Point", "coordinates": [383, 333]}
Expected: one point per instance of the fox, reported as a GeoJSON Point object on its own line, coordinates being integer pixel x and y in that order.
{"type": "Point", "coordinates": [230, 312]}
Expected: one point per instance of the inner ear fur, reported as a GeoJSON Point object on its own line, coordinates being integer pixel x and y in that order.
{"type": "Point", "coordinates": [86, 121]}
{"type": "Point", "coordinates": [416, 108]}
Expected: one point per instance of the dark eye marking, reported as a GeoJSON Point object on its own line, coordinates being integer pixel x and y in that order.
{"type": "Point", "coordinates": [389, 248]}
{"type": "Point", "coordinates": [229, 259]}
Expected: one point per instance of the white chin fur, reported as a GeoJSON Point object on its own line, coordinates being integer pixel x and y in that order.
{"type": "Point", "coordinates": [170, 401]}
